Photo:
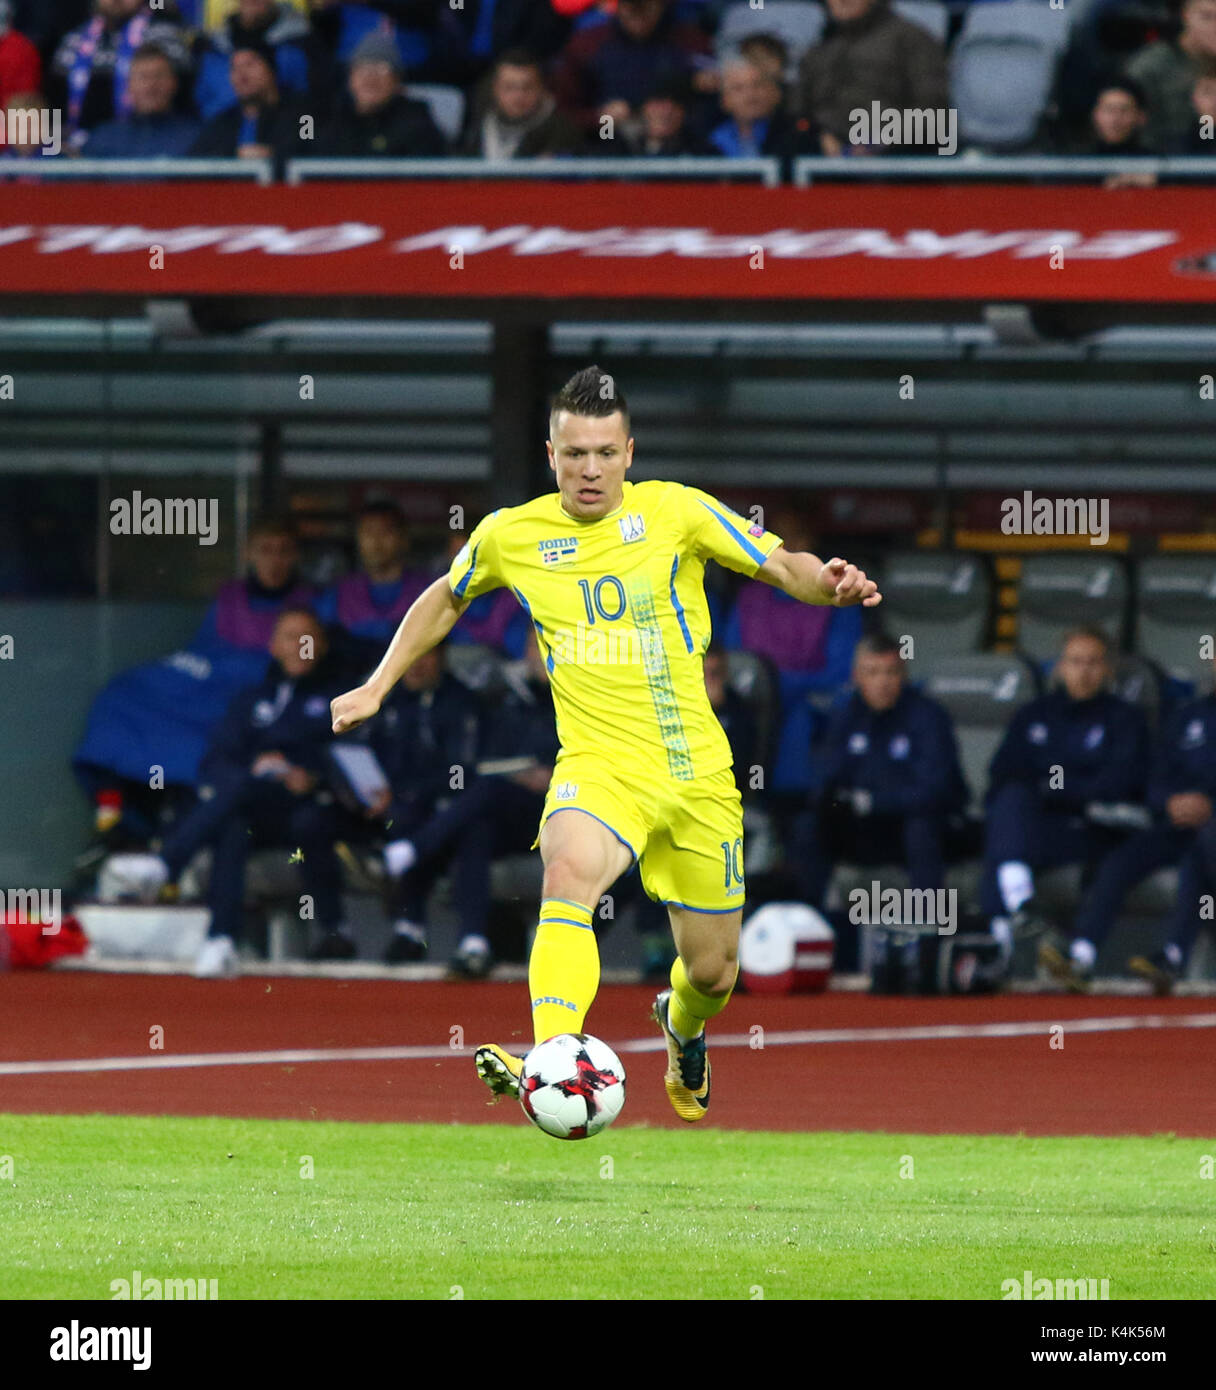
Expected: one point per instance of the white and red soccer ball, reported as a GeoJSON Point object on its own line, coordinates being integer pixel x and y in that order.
{"type": "Point", "coordinates": [572, 1086]}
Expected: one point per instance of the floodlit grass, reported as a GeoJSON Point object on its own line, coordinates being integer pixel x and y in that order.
{"type": "Point", "coordinates": [430, 1211]}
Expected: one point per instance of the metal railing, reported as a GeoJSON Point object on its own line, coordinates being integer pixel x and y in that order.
{"type": "Point", "coordinates": [181, 167]}
{"type": "Point", "coordinates": [971, 168]}
{"type": "Point", "coordinates": [714, 167]}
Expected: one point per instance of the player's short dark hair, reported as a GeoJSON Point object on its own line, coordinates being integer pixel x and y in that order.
{"type": "Point", "coordinates": [384, 507]}
{"type": "Point", "coordinates": [593, 392]}
{"type": "Point", "coordinates": [878, 644]}
{"type": "Point", "coordinates": [1095, 634]}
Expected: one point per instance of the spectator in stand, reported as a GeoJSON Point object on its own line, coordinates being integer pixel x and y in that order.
{"type": "Point", "coordinates": [755, 124]}
{"type": "Point", "coordinates": [1118, 120]}
{"type": "Point", "coordinates": [467, 36]}
{"type": "Point", "coordinates": [90, 73]}
{"type": "Point", "coordinates": [1181, 796]}
{"type": "Point", "coordinates": [162, 714]}
{"type": "Point", "coordinates": [300, 64]}
{"type": "Point", "coordinates": [1063, 756]}
{"type": "Point", "coordinates": [608, 70]}
{"type": "Point", "coordinates": [810, 647]}
{"type": "Point", "coordinates": [887, 780]}
{"type": "Point", "coordinates": [378, 119]}
{"type": "Point", "coordinates": [1168, 70]}
{"type": "Point", "coordinates": [663, 128]}
{"type": "Point", "coordinates": [263, 778]}
{"type": "Point", "coordinates": [262, 125]}
{"type": "Point", "coordinates": [152, 127]}
{"type": "Point", "coordinates": [1202, 137]}
{"type": "Point", "coordinates": [768, 53]}
{"type": "Point", "coordinates": [426, 739]}
{"type": "Point", "coordinates": [517, 116]}
{"type": "Point", "coordinates": [868, 54]}
{"type": "Point", "coordinates": [365, 608]}
{"type": "Point", "coordinates": [20, 65]}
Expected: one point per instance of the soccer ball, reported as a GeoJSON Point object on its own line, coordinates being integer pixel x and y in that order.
{"type": "Point", "coordinates": [572, 1086]}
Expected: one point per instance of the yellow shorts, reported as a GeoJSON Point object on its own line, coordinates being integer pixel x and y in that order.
{"type": "Point", "coordinates": [686, 837]}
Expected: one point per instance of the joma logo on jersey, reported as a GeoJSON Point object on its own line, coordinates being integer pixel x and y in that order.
{"type": "Point", "coordinates": [565, 791]}
{"type": "Point", "coordinates": [559, 551]}
{"type": "Point", "coordinates": [633, 527]}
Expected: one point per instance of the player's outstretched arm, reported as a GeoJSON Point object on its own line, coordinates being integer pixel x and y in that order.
{"type": "Point", "coordinates": [811, 580]}
{"type": "Point", "coordinates": [431, 617]}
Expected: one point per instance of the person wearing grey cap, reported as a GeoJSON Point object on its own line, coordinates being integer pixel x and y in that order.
{"type": "Point", "coordinates": [376, 118]}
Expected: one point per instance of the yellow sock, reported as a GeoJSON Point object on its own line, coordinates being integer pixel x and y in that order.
{"type": "Point", "coordinates": [689, 1008]}
{"type": "Point", "coordinates": [563, 969]}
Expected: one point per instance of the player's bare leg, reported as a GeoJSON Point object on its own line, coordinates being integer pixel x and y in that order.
{"type": "Point", "coordinates": [702, 979]}
{"type": "Point", "coordinates": [582, 858]}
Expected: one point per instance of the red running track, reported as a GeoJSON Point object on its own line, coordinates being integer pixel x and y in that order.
{"type": "Point", "coordinates": [1141, 1080]}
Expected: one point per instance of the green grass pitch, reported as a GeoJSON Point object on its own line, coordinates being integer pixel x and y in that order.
{"type": "Point", "coordinates": [438, 1212]}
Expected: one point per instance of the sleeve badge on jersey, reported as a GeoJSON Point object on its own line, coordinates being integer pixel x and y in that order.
{"type": "Point", "coordinates": [755, 529]}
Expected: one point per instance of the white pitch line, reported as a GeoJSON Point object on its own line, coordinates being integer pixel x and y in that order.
{"type": "Point", "coordinates": [934, 1032]}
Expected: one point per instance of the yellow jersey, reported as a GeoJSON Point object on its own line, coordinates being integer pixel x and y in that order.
{"type": "Point", "coordinates": [619, 608]}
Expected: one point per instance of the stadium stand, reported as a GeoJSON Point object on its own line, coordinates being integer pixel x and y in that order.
{"type": "Point", "coordinates": [1174, 594]}
{"type": "Point", "coordinates": [1062, 591]}
{"type": "Point", "coordinates": [1003, 66]}
{"type": "Point", "coordinates": [941, 601]}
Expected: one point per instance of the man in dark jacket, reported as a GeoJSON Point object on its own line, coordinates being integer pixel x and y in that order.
{"type": "Point", "coordinates": [518, 118]}
{"type": "Point", "coordinates": [1064, 758]}
{"type": "Point", "coordinates": [1181, 796]}
{"type": "Point", "coordinates": [868, 54]}
{"type": "Point", "coordinates": [426, 739]}
{"type": "Point", "coordinates": [301, 65]}
{"type": "Point", "coordinates": [152, 127]}
{"type": "Point", "coordinates": [886, 779]}
{"type": "Point", "coordinates": [263, 777]}
{"type": "Point", "coordinates": [262, 125]}
{"type": "Point", "coordinates": [607, 70]}
{"type": "Point", "coordinates": [90, 72]}
{"type": "Point", "coordinates": [378, 119]}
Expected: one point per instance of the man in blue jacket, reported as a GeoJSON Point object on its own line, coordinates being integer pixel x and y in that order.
{"type": "Point", "coordinates": [427, 739]}
{"type": "Point", "coordinates": [263, 778]}
{"type": "Point", "coordinates": [1065, 756]}
{"type": "Point", "coordinates": [887, 778]}
{"type": "Point", "coordinates": [1181, 796]}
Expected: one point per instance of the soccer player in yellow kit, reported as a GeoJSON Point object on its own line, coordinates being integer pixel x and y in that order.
{"type": "Point", "coordinates": [611, 574]}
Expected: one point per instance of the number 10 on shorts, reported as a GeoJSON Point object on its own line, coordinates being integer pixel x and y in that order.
{"type": "Point", "coordinates": [732, 860]}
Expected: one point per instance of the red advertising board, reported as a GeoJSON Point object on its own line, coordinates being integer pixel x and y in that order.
{"type": "Point", "coordinates": [611, 241]}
